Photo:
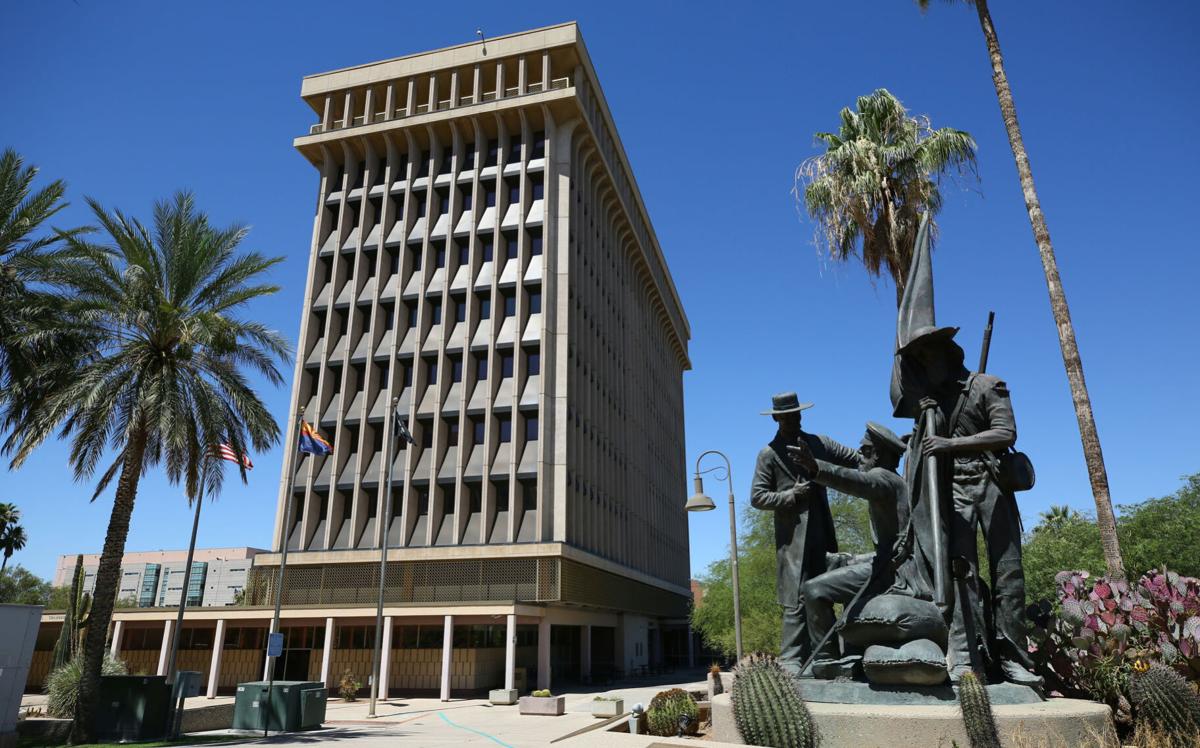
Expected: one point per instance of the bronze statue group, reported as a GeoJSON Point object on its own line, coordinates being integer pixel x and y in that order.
{"type": "Point", "coordinates": [916, 611]}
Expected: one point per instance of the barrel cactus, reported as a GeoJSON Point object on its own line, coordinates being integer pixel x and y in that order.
{"type": "Point", "coordinates": [977, 712]}
{"type": "Point", "coordinates": [666, 709]}
{"type": "Point", "coordinates": [767, 708]}
{"type": "Point", "coordinates": [1166, 701]}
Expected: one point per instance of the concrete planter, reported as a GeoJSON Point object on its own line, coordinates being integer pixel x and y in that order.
{"type": "Point", "coordinates": [503, 696]}
{"type": "Point", "coordinates": [608, 707]}
{"type": "Point", "coordinates": [546, 706]}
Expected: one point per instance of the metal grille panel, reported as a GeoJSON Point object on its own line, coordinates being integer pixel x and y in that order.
{"type": "Point", "coordinates": [586, 585]}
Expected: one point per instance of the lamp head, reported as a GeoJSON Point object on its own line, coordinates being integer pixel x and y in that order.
{"type": "Point", "coordinates": [700, 502]}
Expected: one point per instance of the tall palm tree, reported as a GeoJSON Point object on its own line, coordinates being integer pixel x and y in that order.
{"type": "Point", "coordinates": [165, 377]}
{"type": "Point", "coordinates": [12, 539]}
{"type": "Point", "coordinates": [9, 514]}
{"type": "Point", "coordinates": [29, 361]}
{"type": "Point", "coordinates": [878, 174]}
{"type": "Point", "coordinates": [1092, 454]}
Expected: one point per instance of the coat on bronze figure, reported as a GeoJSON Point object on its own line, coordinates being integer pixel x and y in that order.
{"type": "Point", "coordinates": [804, 530]}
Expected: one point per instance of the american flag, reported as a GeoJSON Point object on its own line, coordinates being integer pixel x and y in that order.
{"type": "Point", "coordinates": [226, 452]}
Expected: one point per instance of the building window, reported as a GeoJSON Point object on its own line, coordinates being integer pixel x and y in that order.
{"type": "Point", "coordinates": [539, 145]}
{"type": "Point", "coordinates": [456, 370]}
{"type": "Point", "coordinates": [464, 254]}
{"type": "Point", "coordinates": [493, 152]}
{"type": "Point", "coordinates": [437, 312]}
{"type": "Point", "coordinates": [505, 430]}
{"type": "Point", "coordinates": [514, 150]}
{"type": "Point", "coordinates": [488, 251]}
{"type": "Point", "coordinates": [469, 157]}
{"type": "Point", "coordinates": [481, 367]}
{"type": "Point", "coordinates": [510, 305]}
{"type": "Point", "coordinates": [506, 365]}
{"type": "Point", "coordinates": [510, 247]}
{"type": "Point", "coordinates": [431, 367]}
{"type": "Point", "coordinates": [421, 208]}
{"type": "Point", "coordinates": [415, 250]}
{"type": "Point", "coordinates": [478, 430]}
{"type": "Point", "coordinates": [389, 318]}
{"type": "Point", "coordinates": [539, 189]}
{"type": "Point", "coordinates": [535, 243]}
{"type": "Point", "coordinates": [514, 194]}
{"type": "Point", "coordinates": [531, 429]}
{"type": "Point", "coordinates": [491, 197]}
{"type": "Point", "coordinates": [443, 203]}
{"type": "Point", "coordinates": [452, 437]}
{"type": "Point", "coordinates": [412, 316]}
{"type": "Point", "coordinates": [466, 203]}
{"type": "Point", "coordinates": [406, 375]}
{"type": "Point", "coordinates": [460, 310]}
{"type": "Point", "coordinates": [534, 363]}
{"type": "Point", "coordinates": [394, 262]}
{"type": "Point", "coordinates": [485, 307]}
{"type": "Point", "coordinates": [535, 302]}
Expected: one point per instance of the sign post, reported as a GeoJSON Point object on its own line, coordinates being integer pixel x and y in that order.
{"type": "Point", "coordinates": [274, 650]}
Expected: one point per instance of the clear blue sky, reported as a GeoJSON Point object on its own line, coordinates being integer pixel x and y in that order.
{"type": "Point", "coordinates": [716, 104]}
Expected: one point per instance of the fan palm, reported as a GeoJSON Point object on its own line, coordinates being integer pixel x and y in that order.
{"type": "Point", "coordinates": [878, 174]}
{"type": "Point", "coordinates": [164, 380]}
{"type": "Point", "coordinates": [9, 514]}
{"type": "Point", "coordinates": [12, 539]}
{"type": "Point", "coordinates": [1094, 457]}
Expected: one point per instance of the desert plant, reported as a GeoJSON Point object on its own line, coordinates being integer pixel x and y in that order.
{"type": "Point", "coordinates": [1162, 698]}
{"type": "Point", "coordinates": [666, 710]}
{"type": "Point", "coordinates": [767, 708]}
{"type": "Point", "coordinates": [62, 685]}
{"type": "Point", "coordinates": [64, 648]}
{"type": "Point", "coordinates": [348, 686]}
{"type": "Point", "coordinates": [715, 672]}
{"type": "Point", "coordinates": [1085, 645]}
{"type": "Point", "coordinates": [543, 693]}
{"type": "Point", "coordinates": [977, 714]}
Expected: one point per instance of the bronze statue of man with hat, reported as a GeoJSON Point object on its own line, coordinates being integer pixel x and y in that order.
{"type": "Point", "coordinates": [964, 422]}
{"type": "Point", "coordinates": [876, 480]}
{"type": "Point", "coordinates": [804, 530]}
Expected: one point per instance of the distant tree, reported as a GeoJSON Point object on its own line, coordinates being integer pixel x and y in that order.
{"type": "Point", "coordinates": [1154, 533]}
{"type": "Point", "coordinates": [1092, 454]}
{"type": "Point", "coordinates": [852, 523]}
{"type": "Point", "coordinates": [762, 618]}
{"type": "Point", "coordinates": [12, 539]}
{"type": "Point", "coordinates": [19, 586]}
{"type": "Point", "coordinates": [880, 172]}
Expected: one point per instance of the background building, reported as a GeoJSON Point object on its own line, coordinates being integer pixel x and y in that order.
{"type": "Point", "coordinates": [155, 578]}
{"type": "Point", "coordinates": [481, 255]}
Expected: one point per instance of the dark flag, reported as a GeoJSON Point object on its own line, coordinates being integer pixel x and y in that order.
{"type": "Point", "coordinates": [402, 428]}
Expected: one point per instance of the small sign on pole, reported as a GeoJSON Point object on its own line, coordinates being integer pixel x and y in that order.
{"type": "Point", "coordinates": [274, 644]}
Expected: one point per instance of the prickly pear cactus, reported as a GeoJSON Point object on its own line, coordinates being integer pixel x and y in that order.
{"type": "Point", "coordinates": [977, 712]}
{"type": "Point", "coordinates": [662, 716]}
{"type": "Point", "coordinates": [1164, 698]}
{"type": "Point", "coordinates": [767, 708]}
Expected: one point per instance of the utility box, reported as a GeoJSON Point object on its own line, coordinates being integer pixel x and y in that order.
{"type": "Point", "coordinates": [132, 707]}
{"type": "Point", "coordinates": [260, 705]}
{"type": "Point", "coordinates": [312, 707]}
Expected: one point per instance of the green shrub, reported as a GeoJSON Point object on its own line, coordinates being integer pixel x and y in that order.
{"type": "Point", "coordinates": [665, 710]}
{"type": "Point", "coordinates": [62, 685]}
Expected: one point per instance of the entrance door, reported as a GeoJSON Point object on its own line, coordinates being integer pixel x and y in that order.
{"type": "Point", "coordinates": [295, 664]}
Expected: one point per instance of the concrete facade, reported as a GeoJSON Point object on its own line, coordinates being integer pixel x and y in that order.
{"type": "Point", "coordinates": [481, 254]}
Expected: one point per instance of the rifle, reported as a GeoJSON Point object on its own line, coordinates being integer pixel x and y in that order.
{"type": "Point", "coordinates": [987, 343]}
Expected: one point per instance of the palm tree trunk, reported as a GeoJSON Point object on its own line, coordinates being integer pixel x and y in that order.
{"type": "Point", "coordinates": [108, 577]}
{"type": "Point", "coordinates": [1058, 305]}
{"type": "Point", "coordinates": [3, 563]}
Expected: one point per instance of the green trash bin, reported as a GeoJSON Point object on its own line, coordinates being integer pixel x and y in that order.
{"type": "Point", "coordinates": [256, 709]}
{"type": "Point", "coordinates": [312, 707]}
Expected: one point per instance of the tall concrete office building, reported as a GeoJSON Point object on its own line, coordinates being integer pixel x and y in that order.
{"type": "Point", "coordinates": [480, 255]}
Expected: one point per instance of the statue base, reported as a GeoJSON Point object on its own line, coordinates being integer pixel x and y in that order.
{"type": "Point", "coordinates": [926, 724]}
{"type": "Point", "coordinates": [860, 692]}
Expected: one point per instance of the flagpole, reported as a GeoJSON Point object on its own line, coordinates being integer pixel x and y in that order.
{"type": "Point", "coordinates": [290, 479]}
{"type": "Point", "coordinates": [392, 436]}
{"type": "Point", "coordinates": [172, 668]}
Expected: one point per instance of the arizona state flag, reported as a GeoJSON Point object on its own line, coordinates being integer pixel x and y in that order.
{"type": "Point", "coordinates": [312, 442]}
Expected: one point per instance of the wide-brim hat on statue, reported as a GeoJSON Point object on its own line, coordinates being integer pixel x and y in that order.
{"type": "Point", "coordinates": [927, 335]}
{"type": "Point", "coordinates": [884, 438]}
{"type": "Point", "coordinates": [786, 402]}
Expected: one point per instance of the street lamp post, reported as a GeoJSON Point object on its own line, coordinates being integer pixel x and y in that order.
{"type": "Point", "coordinates": [700, 502]}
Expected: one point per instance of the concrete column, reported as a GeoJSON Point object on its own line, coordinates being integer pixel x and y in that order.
{"type": "Point", "coordinates": [385, 659]}
{"type": "Point", "coordinates": [447, 648]}
{"type": "Point", "coordinates": [543, 678]}
{"type": "Point", "coordinates": [691, 644]}
{"type": "Point", "coordinates": [165, 649]}
{"type": "Point", "coordinates": [214, 667]}
{"type": "Point", "coordinates": [585, 652]}
{"type": "Point", "coordinates": [327, 652]}
{"type": "Point", "coordinates": [510, 651]}
{"type": "Point", "coordinates": [118, 632]}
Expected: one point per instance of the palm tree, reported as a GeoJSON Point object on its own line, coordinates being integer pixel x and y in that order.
{"type": "Point", "coordinates": [878, 174]}
{"type": "Point", "coordinates": [1056, 516]}
{"type": "Point", "coordinates": [9, 514]}
{"type": "Point", "coordinates": [12, 539]}
{"type": "Point", "coordinates": [25, 254]}
{"type": "Point", "coordinates": [165, 378]}
{"type": "Point", "coordinates": [1092, 454]}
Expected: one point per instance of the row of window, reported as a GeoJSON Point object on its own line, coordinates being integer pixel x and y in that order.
{"type": "Point", "coordinates": [491, 157]}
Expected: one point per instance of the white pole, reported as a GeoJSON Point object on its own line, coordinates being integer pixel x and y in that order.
{"type": "Point", "coordinates": [327, 653]}
{"type": "Point", "coordinates": [510, 652]}
{"type": "Point", "coordinates": [214, 667]}
{"type": "Point", "coordinates": [447, 647]}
